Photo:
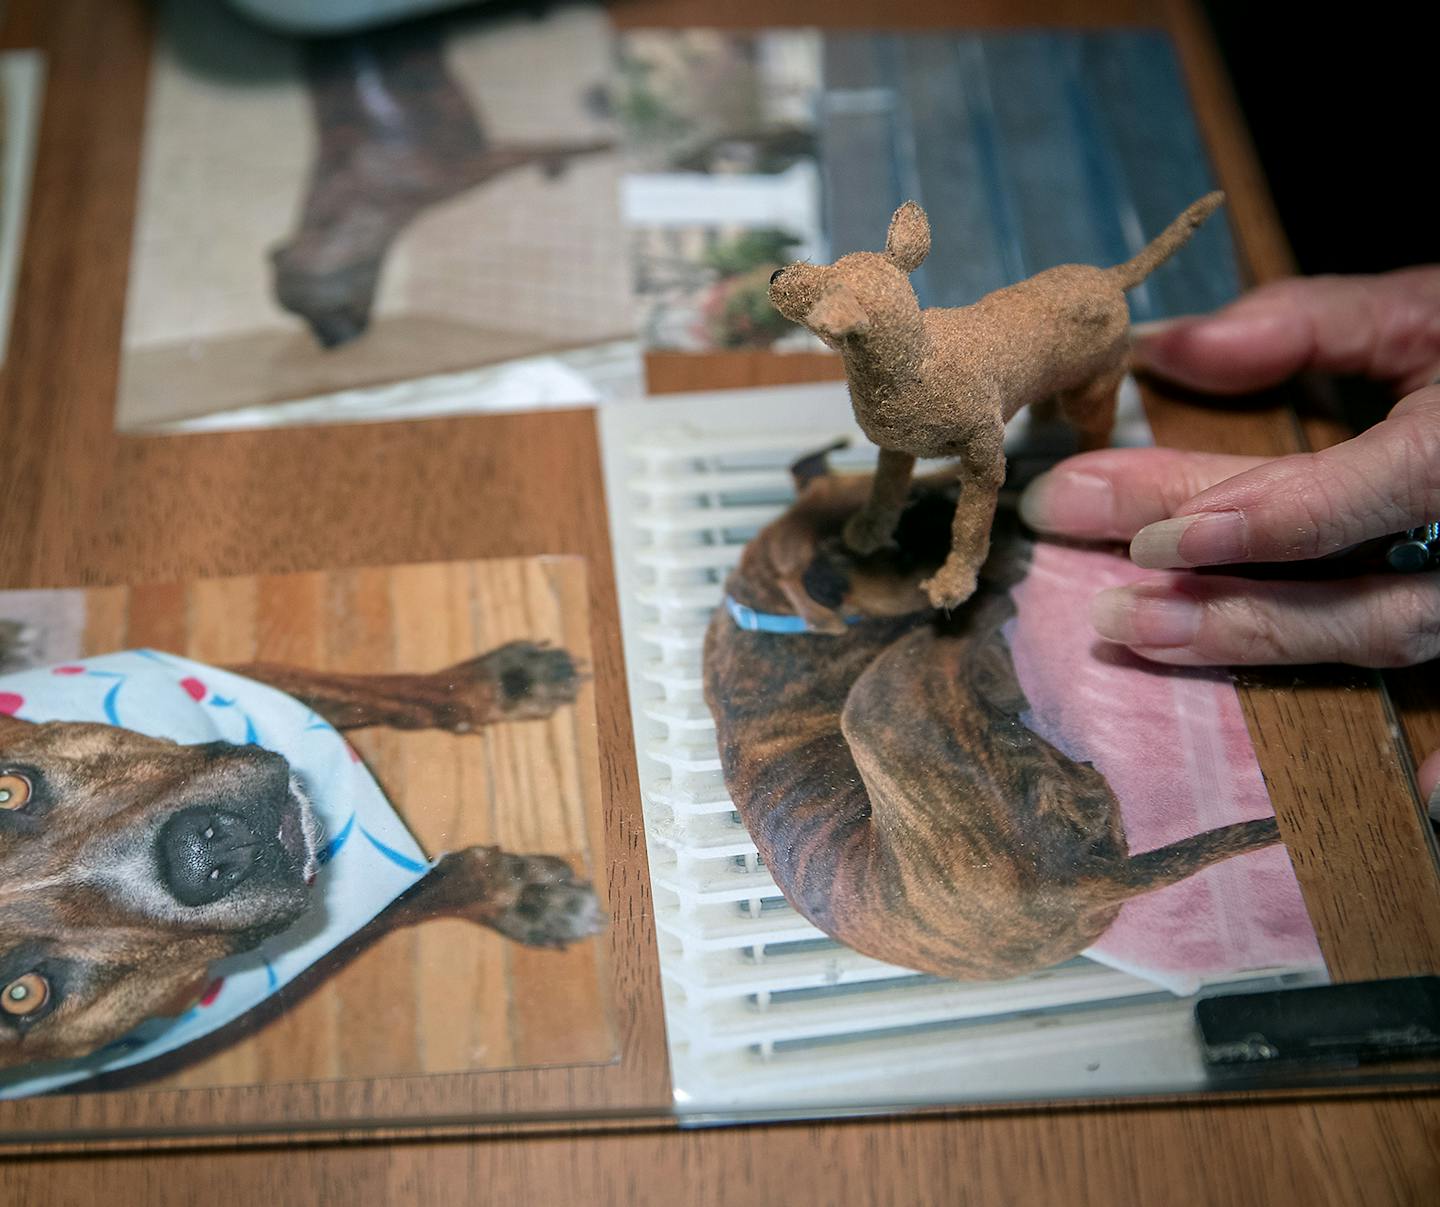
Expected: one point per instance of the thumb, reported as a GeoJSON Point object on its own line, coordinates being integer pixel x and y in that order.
{"type": "Point", "coordinates": [1313, 504]}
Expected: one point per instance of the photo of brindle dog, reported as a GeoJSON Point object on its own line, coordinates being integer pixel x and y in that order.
{"type": "Point", "coordinates": [322, 216]}
{"type": "Point", "coordinates": [132, 865]}
{"type": "Point", "coordinates": [880, 756]}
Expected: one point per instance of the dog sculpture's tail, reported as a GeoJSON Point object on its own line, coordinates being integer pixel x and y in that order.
{"type": "Point", "coordinates": [1168, 242]}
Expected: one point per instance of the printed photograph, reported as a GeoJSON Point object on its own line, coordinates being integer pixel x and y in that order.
{"type": "Point", "coordinates": [904, 855]}
{"type": "Point", "coordinates": [22, 77]}
{"type": "Point", "coordinates": [745, 152]}
{"type": "Point", "coordinates": [300, 827]}
{"type": "Point", "coordinates": [434, 203]}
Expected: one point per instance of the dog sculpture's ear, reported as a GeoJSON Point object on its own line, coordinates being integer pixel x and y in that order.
{"type": "Point", "coordinates": [908, 242]}
{"type": "Point", "coordinates": [814, 465]}
{"type": "Point", "coordinates": [837, 314]}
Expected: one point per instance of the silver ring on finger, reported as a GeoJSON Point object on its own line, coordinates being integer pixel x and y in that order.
{"type": "Point", "coordinates": [1417, 549]}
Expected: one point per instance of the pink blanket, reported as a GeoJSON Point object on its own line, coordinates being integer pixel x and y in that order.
{"type": "Point", "coordinates": [1176, 752]}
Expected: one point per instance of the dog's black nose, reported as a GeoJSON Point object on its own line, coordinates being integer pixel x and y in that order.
{"type": "Point", "coordinates": [775, 276]}
{"type": "Point", "coordinates": [205, 854]}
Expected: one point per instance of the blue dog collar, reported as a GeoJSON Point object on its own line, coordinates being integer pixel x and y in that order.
{"type": "Point", "coordinates": [747, 618]}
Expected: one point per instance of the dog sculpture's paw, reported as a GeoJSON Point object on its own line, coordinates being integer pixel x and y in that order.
{"type": "Point", "coordinates": [864, 534]}
{"type": "Point", "coordinates": [951, 587]}
{"type": "Point", "coordinates": [521, 681]}
{"type": "Point", "coordinates": [552, 907]}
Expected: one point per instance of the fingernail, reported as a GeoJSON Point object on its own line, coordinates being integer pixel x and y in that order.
{"type": "Point", "coordinates": [1155, 326]}
{"type": "Point", "coordinates": [1068, 501]}
{"type": "Point", "coordinates": [1161, 347]}
{"type": "Point", "coordinates": [1145, 337]}
{"type": "Point", "coordinates": [1143, 616]}
{"type": "Point", "coordinates": [1207, 539]}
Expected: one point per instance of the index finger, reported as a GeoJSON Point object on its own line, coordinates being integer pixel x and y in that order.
{"type": "Point", "coordinates": [1384, 327]}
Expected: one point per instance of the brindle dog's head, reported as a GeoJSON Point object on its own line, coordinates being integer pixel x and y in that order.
{"type": "Point", "coordinates": [862, 292]}
{"type": "Point", "coordinates": [128, 866]}
{"type": "Point", "coordinates": [800, 564]}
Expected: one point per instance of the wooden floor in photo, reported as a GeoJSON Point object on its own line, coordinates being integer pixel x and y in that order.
{"type": "Point", "coordinates": [445, 996]}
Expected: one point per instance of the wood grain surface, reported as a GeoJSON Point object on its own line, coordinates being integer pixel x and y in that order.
{"type": "Point", "coordinates": [1374, 1152]}
{"type": "Point", "coordinates": [80, 506]}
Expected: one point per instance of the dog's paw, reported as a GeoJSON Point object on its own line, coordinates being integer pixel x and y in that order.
{"type": "Point", "coordinates": [534, 680]}
{"type": "Point", "coordinates": [521, 681]}
{"type": "Point", "coordinates": [552, 908]}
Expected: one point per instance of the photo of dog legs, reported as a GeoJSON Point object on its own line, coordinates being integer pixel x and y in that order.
{"type": "Point", "coordinates": [358, 841]}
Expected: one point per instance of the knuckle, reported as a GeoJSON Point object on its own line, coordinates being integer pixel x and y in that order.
{"type": "Point", "coordinates": [1395, 483]}
{"type": "Point", "coordinates": [1424, 402]}
{"type": "Point", "coordinates": [1246, 632]}
{"type": "Point", "coordinates": [1404, 627]}
{"type": "Point", "coordinates": [1419, 422]}
{"type": "Point", "coordinates": [1289, 291]}
{"type": "Point", "coordinates": [1332, 504]}
{"type": "Point", "coordinates": [1417, 447]}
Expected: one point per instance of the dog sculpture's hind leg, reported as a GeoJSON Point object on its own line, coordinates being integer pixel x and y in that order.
{"type": "Point", "coordinates": [1090, 409]}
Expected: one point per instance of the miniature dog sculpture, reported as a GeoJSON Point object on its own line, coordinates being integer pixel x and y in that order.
{"type": "Point", "coordinates": [397, 135]}
{"type": "Point", "coordinates": [881, 762]}
{"type": "Point", "coordinates": [944, 382]}
{"type": "Point", "coordinates": [108, 915]}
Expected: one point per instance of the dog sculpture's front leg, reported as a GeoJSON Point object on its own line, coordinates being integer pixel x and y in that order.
{"type": "Point", "coordinates": [516, 682]}
{"type": "Point", "coordinates": [873, 526]}
{"type": "Point", "coordinates": [981, 475]}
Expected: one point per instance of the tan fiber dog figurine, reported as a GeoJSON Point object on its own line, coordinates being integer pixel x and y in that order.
{"type": "Point", "coordinates": [944, 382]}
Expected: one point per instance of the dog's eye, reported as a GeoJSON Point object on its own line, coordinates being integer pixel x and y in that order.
{"type": "Point", "coordinates": [15, 792]}
{"type": "Point", "coordinates": [25, 996]}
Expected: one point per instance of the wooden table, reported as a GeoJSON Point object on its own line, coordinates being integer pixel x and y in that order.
{"type": "Point", "coordinates": [79, 505]}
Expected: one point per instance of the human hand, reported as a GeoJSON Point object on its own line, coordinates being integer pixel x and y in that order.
{"type": "Point", "coordinates": [1181, 510]}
